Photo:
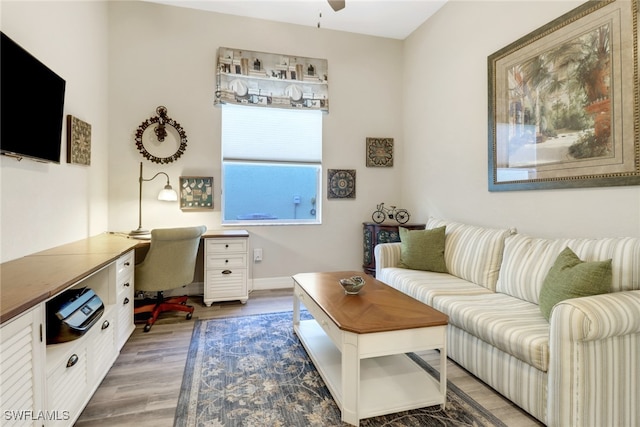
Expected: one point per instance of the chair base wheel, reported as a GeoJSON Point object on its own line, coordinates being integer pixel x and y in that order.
{"type": "Point", "coordinates": [189, 316]}
{"type": "Point", "coordinates": [147, 328]}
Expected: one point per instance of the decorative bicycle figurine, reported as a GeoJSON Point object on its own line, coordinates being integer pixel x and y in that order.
{"type": "Point", "coordinates": [381, 213]}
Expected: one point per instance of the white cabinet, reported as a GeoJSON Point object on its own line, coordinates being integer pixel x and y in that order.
{"type": "Point", "coordinates": [226, 268]}
{"type": "Point", "coordinates": [49, 385]}
{"type": "Point", "coordinates": [68, 380]}
{"type": "Point", "coordinates": [76, 368]}
{"type": "Point", "coordinates": [101, 347]}
{"type": "Point", "coordinates": [22, 355]}
{"type": "Point", "coordinates": [124, 297]}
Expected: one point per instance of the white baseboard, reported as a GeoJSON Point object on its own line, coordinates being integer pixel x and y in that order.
{"type": "Point", "coordinates": [197, 288]}
{"type": "Point", "coordinates": [272, 283]}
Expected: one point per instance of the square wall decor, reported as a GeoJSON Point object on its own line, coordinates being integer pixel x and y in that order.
{"type": "Point", "coordinates": [341, 184]}
{"type": "Point", "coordinates": [196, 193]}
{"type": "Point", "coordinates": [78, 141]}
{"type": "Point", "coordinates": [379, 152]}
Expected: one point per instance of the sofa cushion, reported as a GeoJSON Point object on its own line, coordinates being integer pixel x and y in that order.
{"type": "Point", "coordinates": [471, 252]}
{"type": "Point", "coordinates": [510, 324]}
{"type": "Point", "coordinates": [422, 249]}
{"type": "Point", "coordinates": [425, 285]}
{"type": "Point", "coordinates": [527, 260]}
{"type": "Point", "coordinates": [570, 277]}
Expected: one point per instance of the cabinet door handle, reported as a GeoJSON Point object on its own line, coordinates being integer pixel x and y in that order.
{"type": "Point", "coordinates": [226, 246]}
{"type": "Point", "coordinates": [105, 325]}
{"type": "Point", "coordinates": [72, 360]}
{"type": "Point", "coordinates": [126, 285]}
{"type": "Point", "coordinates": [226, 261]}
{"type": "Point", "coordinates": [226, 271]}
{"type": "Point", "coordinates": [126, 301]}
{"type": "Point", "coordinates": [127, 264]}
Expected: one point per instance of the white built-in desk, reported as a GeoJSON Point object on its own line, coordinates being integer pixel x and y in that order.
{"type": "Point", "coordinates": [49, 385]}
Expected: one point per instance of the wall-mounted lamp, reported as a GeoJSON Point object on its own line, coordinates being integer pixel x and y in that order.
{"type": "Point", "coordinates": [167, 194]}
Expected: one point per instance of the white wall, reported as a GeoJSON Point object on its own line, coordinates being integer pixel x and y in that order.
{"type": "Point", "coordinates": [164, 55]}
{"type": "Point", "coordinates": [123, 60]}
{"type": "Point", "coordinates": [445, 124]}
{"type": "Point", "coordinates": [45, 205]}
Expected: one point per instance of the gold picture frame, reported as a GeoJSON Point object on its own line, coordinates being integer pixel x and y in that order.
{"type": "Point", "coordinates": [564, 102]}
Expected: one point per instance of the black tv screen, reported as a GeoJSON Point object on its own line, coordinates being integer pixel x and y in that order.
{"type": "Point", "coordinates": [32, 104]}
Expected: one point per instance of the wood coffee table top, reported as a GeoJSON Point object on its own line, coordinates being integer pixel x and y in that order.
{"type": "Point", "coordinates": [377, 308]}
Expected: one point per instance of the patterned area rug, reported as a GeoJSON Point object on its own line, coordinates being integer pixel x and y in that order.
{"type": "Point", "coordinates": [253, 371]}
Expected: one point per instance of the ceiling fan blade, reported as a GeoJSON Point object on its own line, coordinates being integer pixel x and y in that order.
{"type": "Point", "coordinates": [337, 5]}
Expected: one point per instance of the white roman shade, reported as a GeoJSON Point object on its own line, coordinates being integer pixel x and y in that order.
{"type": "Point", "coordinates": [271, 134]}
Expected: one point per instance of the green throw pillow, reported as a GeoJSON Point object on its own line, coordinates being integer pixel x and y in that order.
{"type": "Point", "coordinates": [422, 249]}
{"type": "Point", "coordinates": [571, 277]}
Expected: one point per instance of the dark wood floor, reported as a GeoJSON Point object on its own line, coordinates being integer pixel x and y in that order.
{"type": "Point", "coordinates": [143, 386]}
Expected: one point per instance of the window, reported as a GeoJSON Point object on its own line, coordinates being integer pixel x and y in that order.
{"type": "Point", "coordinates": [271, 165]}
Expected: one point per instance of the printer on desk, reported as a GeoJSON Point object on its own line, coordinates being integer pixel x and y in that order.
{"type": "Point", "coordinates": [71, 314]}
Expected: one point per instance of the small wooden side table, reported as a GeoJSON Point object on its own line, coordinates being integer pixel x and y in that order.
{"type": "Point", "coordinates": [374, 234]}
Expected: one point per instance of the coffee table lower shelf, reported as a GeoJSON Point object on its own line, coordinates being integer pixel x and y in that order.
{"type": "Point", "coordinates": [388, 384]}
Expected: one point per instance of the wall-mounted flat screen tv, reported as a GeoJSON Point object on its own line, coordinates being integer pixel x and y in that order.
{"type": "Point", "coordinates": [31, 107]}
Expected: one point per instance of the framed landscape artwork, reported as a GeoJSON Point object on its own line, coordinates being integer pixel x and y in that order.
{"type": "Point", "coordinates": [564, 103]}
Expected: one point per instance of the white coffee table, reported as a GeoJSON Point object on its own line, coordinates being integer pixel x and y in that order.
{"type": "Point", "coordinates": [358, 344]}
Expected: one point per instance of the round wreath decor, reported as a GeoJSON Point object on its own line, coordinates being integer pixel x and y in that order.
{"type": "Point", "coordinates": [161, 121]}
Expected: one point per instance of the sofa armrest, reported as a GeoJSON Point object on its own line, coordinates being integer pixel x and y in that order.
{"type": "Point", "coordinates": [594, 344]}
{"type": "Point", "coordinates": [598, 317]}
{"type": "Point", "coordinates": [387, 255]}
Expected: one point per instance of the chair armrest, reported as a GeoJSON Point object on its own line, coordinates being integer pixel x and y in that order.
{"type": "Point", "coordinates": [387, 255]}
{"type": "Point", "coordinates": [593, 345]}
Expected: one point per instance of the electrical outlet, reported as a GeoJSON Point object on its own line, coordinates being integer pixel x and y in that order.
{"type": "Point", "coordinates": [257, 255]}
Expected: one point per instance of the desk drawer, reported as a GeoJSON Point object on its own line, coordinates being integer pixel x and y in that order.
{"type": "Point", "coordinates": [329, 327]}
{"type": "Point", "coordinates": [125, 284]}
{"type": "Point", "coordinates": [68, 383]}
{"type": "Point", "coordinates": [124, 316]}
{"type": "Point", "coordinates": [102, 347]}
{"type": "Point", "coordinates": [221, 285]}
{"type": "Point", "coordinates": [125, 264]}
{"type": "Point", "coordinates": [221, 246]}
{"type": "Point", "coordinates": [215, 261]}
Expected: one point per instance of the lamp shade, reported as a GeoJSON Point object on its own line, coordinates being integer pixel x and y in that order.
{"type": "Point", "coordinates": [168, 194]}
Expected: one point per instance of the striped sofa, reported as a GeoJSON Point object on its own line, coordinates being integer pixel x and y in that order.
{"type": "Point", "coordinates": [580, 368]}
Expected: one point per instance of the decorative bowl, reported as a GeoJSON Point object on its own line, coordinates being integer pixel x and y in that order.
{"type": "Point", "coordinates": [352, 285]}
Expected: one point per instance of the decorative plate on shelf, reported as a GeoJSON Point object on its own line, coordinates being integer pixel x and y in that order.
{"type": "Point", "coordinates": [341, 184]}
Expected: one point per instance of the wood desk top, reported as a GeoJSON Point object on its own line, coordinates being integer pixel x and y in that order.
{"type": "Point", "coordinates": [30, 280]}
{"type": "Point", "coordinates": [377, 308]}
{"type": "Point", "coordinates": [27, 281]}
{"type": "Point", "coordinates": [225, 233]}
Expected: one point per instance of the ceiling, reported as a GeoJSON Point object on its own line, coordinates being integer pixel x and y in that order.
{"type": "Point", "coordinates": [394, 19]}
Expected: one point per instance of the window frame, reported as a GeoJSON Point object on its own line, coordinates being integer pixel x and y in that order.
{"type": "Point", "coordinates": [268, 162]}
